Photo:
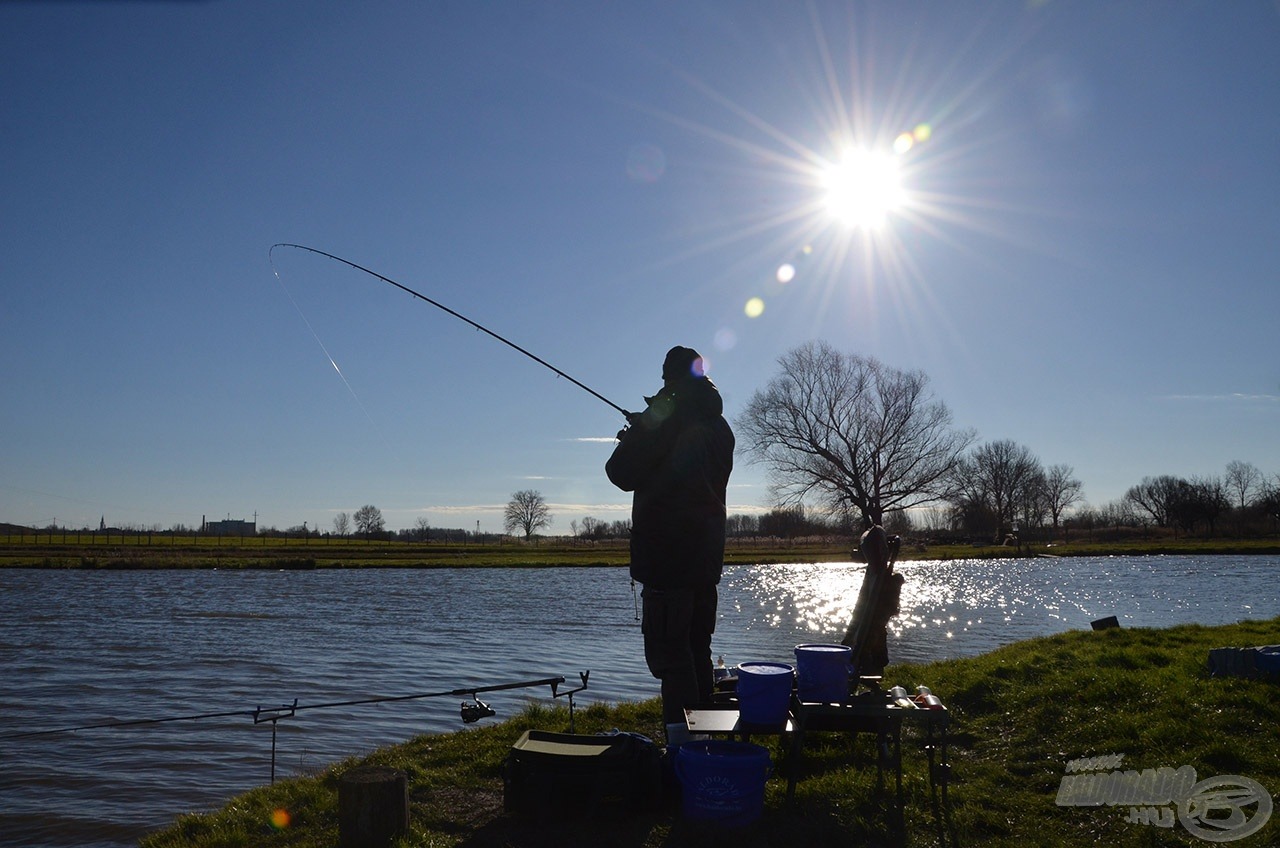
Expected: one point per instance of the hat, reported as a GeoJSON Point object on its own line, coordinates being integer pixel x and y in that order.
{"type": "Point", "coordinates": [683, 362]}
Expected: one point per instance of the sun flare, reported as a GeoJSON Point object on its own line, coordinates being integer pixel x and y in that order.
{"type": "Point", "coordinates": [838, 192]}
{"type": "Point", "coordinates": [864, 188]}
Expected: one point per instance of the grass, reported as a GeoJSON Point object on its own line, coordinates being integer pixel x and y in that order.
{"type": "Point", "coordinates": [1019, 715]}
{"type": "Point", "coordinates": [139, 552]}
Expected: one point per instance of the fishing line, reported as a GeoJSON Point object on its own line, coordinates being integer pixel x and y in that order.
{"type": "Point", "coordinates": [444, 308]}
{"type": "Point", "coordinates": [327, 355]}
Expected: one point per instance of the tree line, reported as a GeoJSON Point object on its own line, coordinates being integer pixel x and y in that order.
{"type": "Point", "coordinates": [864, 441]}
{"type": "Point", "coordinates": [847, 439]}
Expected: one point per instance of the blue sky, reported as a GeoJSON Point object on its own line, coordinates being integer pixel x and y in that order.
{"type": "Point", "coordinates": [1085, 261]}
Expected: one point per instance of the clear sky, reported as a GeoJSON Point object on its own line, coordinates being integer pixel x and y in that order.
{"type": "Point", "coordinates": [1083, 257]}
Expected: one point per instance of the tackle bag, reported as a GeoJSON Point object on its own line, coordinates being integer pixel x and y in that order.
{"type": "Point", "coordinates": [557, 773]}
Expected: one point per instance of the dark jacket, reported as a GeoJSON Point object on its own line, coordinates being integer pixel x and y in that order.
{"type": "Point", "coordinates": [676, 458]}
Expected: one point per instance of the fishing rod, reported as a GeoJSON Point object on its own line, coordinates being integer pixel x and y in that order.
{"type": "Point", "coordinates": [471, 711]}
{"type": "Point", "coordinates": [457, 315]}
{"type": "Point", "coordinates": [274, 713]}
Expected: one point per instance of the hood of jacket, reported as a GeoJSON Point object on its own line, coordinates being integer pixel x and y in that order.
{"type": "Point", "coordinates": [694, 397]}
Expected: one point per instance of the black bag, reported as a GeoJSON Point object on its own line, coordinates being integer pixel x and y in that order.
{"type": "Point", "coordinates": [558, 773]}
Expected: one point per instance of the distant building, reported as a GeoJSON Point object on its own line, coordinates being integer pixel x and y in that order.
{"type": "Point", "coordinates": [230, 527]}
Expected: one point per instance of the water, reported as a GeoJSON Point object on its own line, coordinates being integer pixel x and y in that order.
{"type": "Point", "coordinates": [85, 647]}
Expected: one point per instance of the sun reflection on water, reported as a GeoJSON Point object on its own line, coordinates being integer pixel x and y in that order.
{"type": "Point", "coordinates": [965, 607]}
{"type": "Point", "coordinates": [806, 598]}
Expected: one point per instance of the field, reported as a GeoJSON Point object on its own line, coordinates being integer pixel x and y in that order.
{"type": "Point", "coordinates": [105, 550]}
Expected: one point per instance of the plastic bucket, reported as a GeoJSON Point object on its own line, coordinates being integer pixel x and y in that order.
{"type": "Point", "coordinates": [764, 692]}
{"type": "Point", "coordinates": [722, 781]}
{"type": "Point", "coordinates": [822, 673]}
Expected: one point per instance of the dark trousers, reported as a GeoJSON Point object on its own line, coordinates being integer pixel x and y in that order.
{"type": "Point", "coordinates": [677, 625]}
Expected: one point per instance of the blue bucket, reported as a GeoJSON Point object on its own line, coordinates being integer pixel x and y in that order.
{"type": "Point", "coordinates": [764, 692]}
{"type": "Point", "coordinates": [822, 673]}
{"type": "Point", "coordinates": [722, 781]}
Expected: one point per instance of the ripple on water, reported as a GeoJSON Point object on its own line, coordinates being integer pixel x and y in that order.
{"type": "Point", "coordinates": [82, 647]}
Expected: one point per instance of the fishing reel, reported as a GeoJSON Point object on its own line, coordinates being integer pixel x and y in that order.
{"type": "Point", "coordinates": [473, 712]}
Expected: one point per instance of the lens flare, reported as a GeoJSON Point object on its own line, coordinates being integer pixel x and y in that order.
{"type": "Point", "coordinates": [280, 819]}
{"type": "Point", "coordinates": [754, 307]}
{"type": "Point", "coordinates": [786, 273]}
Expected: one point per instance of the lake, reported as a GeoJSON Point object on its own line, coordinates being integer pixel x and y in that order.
{"type": "Point", "coordinates": [90, 647]}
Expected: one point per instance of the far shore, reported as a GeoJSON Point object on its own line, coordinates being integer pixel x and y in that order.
{"type": "Point", "coordinates": [127, 551]}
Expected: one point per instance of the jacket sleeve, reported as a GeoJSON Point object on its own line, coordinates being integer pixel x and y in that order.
{"type": "Point", "coordinates": [635, 460]}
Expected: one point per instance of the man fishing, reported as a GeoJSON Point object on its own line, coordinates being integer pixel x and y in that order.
{"type": "Point", "coordinates": [676, 457]}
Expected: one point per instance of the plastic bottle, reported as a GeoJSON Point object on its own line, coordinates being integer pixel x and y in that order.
{"type": "Point", "coordinates": [720, 672]}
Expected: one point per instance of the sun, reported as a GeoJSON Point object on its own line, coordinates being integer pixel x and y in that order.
{"type": "Point", "coordinates": [863, 188]}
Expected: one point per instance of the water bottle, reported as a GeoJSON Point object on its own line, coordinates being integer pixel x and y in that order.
{"type": "Point", "coordinates": [720, 672]}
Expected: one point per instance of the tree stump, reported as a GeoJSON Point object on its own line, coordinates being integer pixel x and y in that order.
{"type": "Point", "coordinates": [373, 807]}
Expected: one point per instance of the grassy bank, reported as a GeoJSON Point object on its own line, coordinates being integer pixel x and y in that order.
{"type": "Point", "coordinates": [137, 552]}
{"type": "Point", "coordinates": [1020, 714]}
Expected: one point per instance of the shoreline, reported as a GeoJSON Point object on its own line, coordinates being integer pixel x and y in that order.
{"type": "Point", "coordinates": [277, 554]}
{"type": "Point", "coordinates": [1023, 717]}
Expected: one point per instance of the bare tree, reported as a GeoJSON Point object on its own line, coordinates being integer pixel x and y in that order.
{"type": "Point", "coordinates": [342, 524]}
{"type": "Point", "coordinates": [1061, 491]}
{"type": "Point", "coordinates": [1269, 500]}
{"type": "Point", "coordinates": [1243, 480]}
{"type": "Point", "coordinates": [369, 520]}
{"type": "Point", "coordinates": [1118, 513]}
{"type": "Point", "coordinates": [1205, 499]}
{"type": "Point", "coordinates": [852, 432]}
{"type": "Point", "coordinates": [898, 522]}
{"type": "Point", "coordinates": [997, 479]}
{"type": "Point", "coordinates": [1031, 501]}
{"type": "Point", "coordinates": [592, 528]}
{"type": "Point", "coordinates": [527, 511]}
{"type": "Point", "coordinates": [1154, 495]}
{"type": "Point", "coordinates": [422, 529]}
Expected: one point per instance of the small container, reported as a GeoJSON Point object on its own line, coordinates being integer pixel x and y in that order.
{"type": "Point", "coordinates": [926, 700]}
{"type": "Point", "coordinates": [720, 672]}
{"type": "Point", "coordinates": [900, 698]}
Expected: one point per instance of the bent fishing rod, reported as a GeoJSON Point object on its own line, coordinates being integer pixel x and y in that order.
{"type": "Point", "coordinates": [455, 314]}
